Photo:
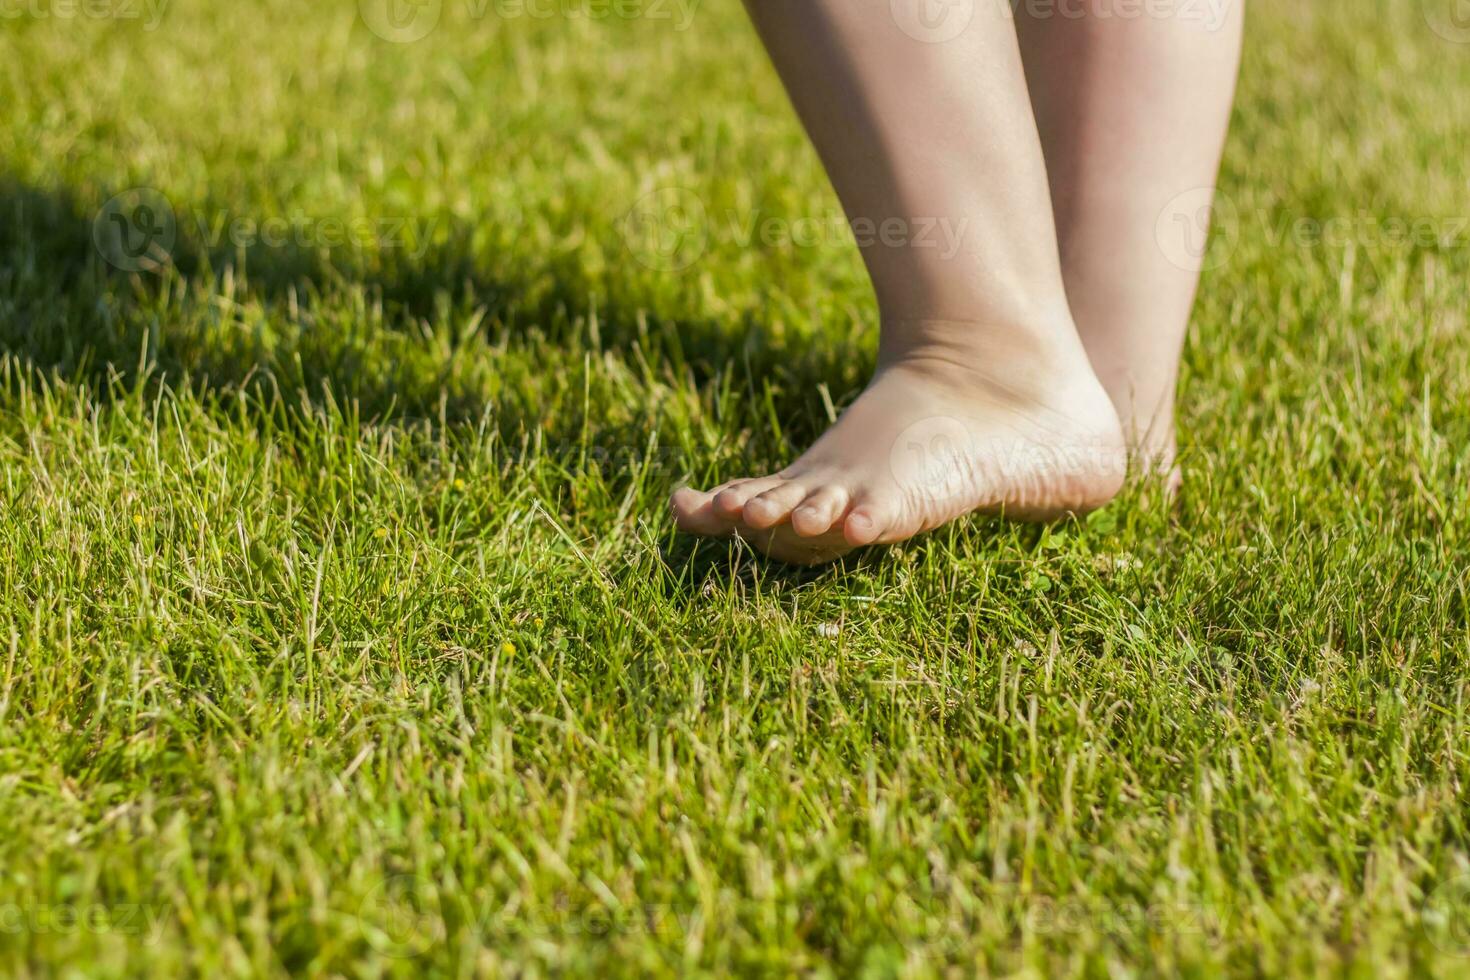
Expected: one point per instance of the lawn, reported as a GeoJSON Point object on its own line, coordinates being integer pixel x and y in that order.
{"type": "Point", "coordinates": [343, 628]}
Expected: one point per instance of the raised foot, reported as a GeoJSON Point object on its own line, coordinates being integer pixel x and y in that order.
{"type": "Point", "coordinates": [929, 441]}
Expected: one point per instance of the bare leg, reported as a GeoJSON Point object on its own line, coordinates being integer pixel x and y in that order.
{"type": "Point", "coordinates": [984, 398]}
{"type": "Point", "coordinates": [1132, 112]}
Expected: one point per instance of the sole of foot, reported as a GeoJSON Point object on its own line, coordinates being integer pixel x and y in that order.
{"type": "Point", "coordinates": [932, 439]}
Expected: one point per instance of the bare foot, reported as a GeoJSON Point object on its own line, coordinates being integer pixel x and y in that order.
{"type": "Point", "coordinates": [1156, 456]}
{"type": "Point", "coordinates": [940, 432]}
{"type": "Point", "coordinates": [1149, 431]}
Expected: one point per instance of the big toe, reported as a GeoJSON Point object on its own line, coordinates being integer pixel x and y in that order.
{"type": "Point", "coordinates": [694, 513]}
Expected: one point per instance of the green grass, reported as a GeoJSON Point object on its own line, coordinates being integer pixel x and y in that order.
{"type": "Point", "coordinates": [343, 628]}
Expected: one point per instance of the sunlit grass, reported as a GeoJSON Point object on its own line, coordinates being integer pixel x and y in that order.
{"type": "Point", "coordinates": [343, 628]}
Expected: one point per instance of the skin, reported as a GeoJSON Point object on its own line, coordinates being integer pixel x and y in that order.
{"type": "Point", "coordinates": [988, 394]}
{"type": "Point", "coordinates": [1133, 114]}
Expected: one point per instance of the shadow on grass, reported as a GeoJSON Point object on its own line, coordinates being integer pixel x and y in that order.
{"type": "Point", "coordinates": [66, 311]}
{"type": "Point", "coordinates": [399, 334]}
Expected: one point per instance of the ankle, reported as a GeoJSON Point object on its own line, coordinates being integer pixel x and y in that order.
{"type": "Point", "coordinates": [1030, 355]}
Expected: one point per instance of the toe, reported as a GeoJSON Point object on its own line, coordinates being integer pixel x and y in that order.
{"type": "Point", "coordinates": [731, 501]}
{"type": "Point", "coordinates": [774, 505]}
{"type": "Point", "coordinates": [819, 511]}
{"type": "Point", "coordinates": [867, 523]}
{"type": "Point", "coordinates": [686, 501]}
{"type": "Point", "coordinates": [694, 513]}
